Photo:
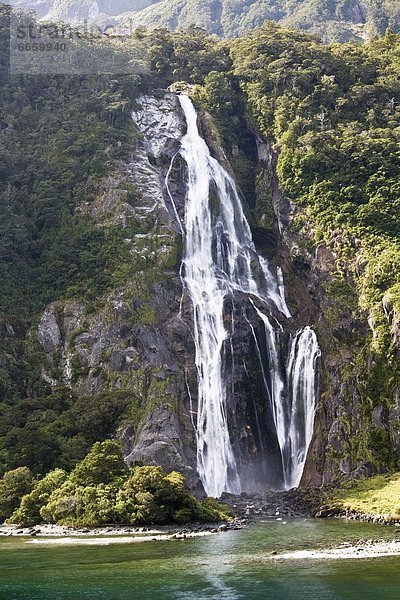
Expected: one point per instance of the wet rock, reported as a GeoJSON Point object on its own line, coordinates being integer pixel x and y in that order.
{"type": "Point", "coordinates": [293, 503]}
{"type": "Point", "coordinates": [329, 511]}
{"type": "Point", "coordinates": [49, 334]}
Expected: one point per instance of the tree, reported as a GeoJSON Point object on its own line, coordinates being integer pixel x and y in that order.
{"type": "Point", "coordinates": [80, 505]}
{"type": "Point", "coordinates": [102, 465]}
{"type": "Point", "coordinates": [28, 513]}
{"type": "Point", "coordinates": [13, 486]}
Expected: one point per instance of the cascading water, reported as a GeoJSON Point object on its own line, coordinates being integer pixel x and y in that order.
{"type": "Point", "coordinates": [293, 397]}
{"type": "Point", "coordinates": [302, 385]}
{"type": "Point", "coordinates": [220, 260]}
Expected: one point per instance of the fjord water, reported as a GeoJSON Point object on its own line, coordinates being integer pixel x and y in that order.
{"type": "Point", "coordinates": [228, 566]}
{"type": "Point", "coordinates": [219, 261]}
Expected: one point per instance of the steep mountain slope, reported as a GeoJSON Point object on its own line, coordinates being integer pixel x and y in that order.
{"type": "Point", "coordinates": [78, 10]}
{"type": "Point", "coordinates": [338, 20]}
{"type": "Point", "coordinates": [331, 20]}
{"type": "Point", "coordinates": [96, 338]}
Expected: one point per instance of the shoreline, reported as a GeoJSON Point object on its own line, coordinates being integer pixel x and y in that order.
{"type": "Point", "coordinates": [329, 512]}
{"type": "Point", "coordinates": [58, 534]}
{"type": "Point", "coordinates": [347, 551]}
{"type": "Point", "coordinates": [118, 534]}
{"type": "Point", "coordinates": [299, 503]}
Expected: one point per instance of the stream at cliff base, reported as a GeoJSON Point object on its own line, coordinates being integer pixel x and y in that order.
{"type": "Point", "coordinates": [226, 566]}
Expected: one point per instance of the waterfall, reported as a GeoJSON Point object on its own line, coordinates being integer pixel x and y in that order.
{"type": "Point", "coordinates": [302, 383]}
{"type": "Point", "coordinates": [293, 394]}
{"type": "Point", "coordinates": [220, 260]}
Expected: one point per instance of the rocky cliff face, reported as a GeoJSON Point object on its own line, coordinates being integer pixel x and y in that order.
{"type": "Point", "coordinates": [136, 339]}
{"type": "Point", "coordinates": [140, 337]}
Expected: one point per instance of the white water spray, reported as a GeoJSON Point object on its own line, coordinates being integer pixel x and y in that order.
{"type": "Point", "coordinates": [219, 260]}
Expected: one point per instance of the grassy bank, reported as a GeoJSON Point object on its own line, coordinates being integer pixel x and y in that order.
{"type": "Point", "coordinates": [376, 496]}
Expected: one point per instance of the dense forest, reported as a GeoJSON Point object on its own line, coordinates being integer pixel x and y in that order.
{"type": "Point", "coordinates": [332, 115]}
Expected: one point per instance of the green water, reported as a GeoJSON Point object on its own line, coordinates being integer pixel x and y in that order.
{"type": "Point", "coordinates": [228, 566]}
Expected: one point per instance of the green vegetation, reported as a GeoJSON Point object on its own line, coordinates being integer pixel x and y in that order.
{"type": "Point", "coordinates": [59, 135]}
{"type": "Point", "coordinates": [102, 490]}
{"type": "Point", "coordinates": [30, 504]}
{"type": "Point", "coordinates": [57, 430]}
{"type": "Point", "coordinates": [331, 113]}
{"type": "Point", "coordinates": [61, 138]}
{"type": "Point", "coordinates": [376, 496]}
{"type": "Point", "coordinates": [14, 485]}
{"type": "Point", "coordinates": [333, 20]}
